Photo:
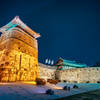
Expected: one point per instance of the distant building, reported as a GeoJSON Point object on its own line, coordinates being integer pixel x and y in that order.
{"type": "Point", "coordinates": [63, 64]}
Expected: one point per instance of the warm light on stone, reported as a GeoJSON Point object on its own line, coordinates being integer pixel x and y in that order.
{"type": "Point", "coordinates": [18, 52]}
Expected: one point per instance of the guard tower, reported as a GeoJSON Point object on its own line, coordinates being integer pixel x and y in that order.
{"type": "Point", "coordinates": [18, 52]}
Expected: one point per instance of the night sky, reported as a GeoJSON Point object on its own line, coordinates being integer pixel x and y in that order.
{"type": "Point", "coordinates": [69, 28]}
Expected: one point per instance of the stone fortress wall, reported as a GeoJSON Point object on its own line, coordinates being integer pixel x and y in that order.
{"type": "Point", "coordinates": [46, 72]}
{"type": "Point", "coordinates": [77, 75]}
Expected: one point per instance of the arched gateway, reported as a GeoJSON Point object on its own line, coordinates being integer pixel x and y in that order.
{"type": "Point", "coordinates": [18, 52]}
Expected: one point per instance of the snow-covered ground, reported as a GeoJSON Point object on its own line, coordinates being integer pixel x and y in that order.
{"type": "Point", "coordinates": [19, 91]}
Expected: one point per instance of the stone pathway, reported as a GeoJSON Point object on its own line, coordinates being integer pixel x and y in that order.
{"type": "Point", "coordinates": [17, 91]}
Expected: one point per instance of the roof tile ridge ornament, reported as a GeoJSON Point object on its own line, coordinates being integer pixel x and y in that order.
{"type": "Point", "coordinates": [18, 21]}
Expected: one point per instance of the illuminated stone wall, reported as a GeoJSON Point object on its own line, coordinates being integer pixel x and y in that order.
{"type": "Point", "coordinates": [46, 71]}
{"type": "Point", "coordinates": [79, 75]}
{"type": "Point", "coordinates": [18, 56]}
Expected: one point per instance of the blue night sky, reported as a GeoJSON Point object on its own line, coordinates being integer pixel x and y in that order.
{"type": "Point", "coordinates": [68, 28]}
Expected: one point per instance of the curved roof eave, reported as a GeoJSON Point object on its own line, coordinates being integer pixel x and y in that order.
{"type": "Point", "coordinates": [17, 21]}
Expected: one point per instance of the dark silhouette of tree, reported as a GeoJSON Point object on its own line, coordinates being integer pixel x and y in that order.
{"type": "Point", "coordinates": [97, 64]}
